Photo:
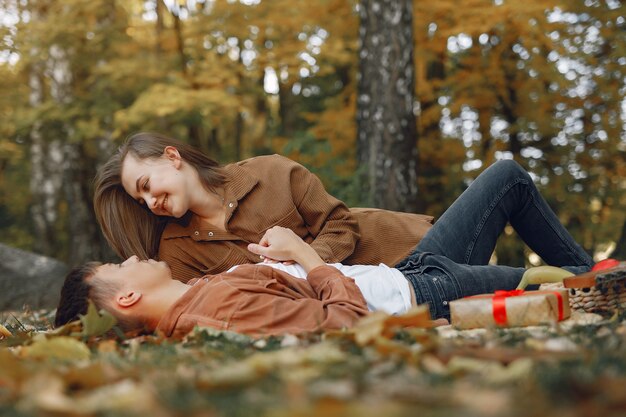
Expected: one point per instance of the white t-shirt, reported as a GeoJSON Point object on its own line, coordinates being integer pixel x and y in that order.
{"type": "Point", "coordinates": [383, 288]}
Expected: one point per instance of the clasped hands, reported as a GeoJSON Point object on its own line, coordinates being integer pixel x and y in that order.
{"type": "Point", "coordinates": [282, 244]}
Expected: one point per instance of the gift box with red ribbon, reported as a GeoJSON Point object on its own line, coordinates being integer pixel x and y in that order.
{"type": "Point", "coordinates": [510, 308]}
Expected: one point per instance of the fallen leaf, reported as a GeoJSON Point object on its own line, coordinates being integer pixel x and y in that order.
{"type": "Point", "coordinates": [416, 317]}
{"type": "Point", "coordinates": [342, 390]}
{"type": "Point", "coordinates": [379, 323]}
{"type": "Point", "coordinates": [390, 347]}
{"type": "Point", "coordinates": [96, 323]}
{"type": "Point", "coordinates": [93, 375]}
{"type": "Point", "coordinates": [235, 375]}
{"type": "Point", "coordinates": [449, 332]}
{"type": "Point", "coordinates": [67, 329]}
{"type": "Point", "coordinates": [463, 365]}
{"type": "Point", "coordinates": [12, 371]}
{"type": "Point", "coordinates": [107, 346]}
{"type": "Point", "coordinates": [513, 372]}
{"type": "Point", "coordinates": [48, 395]}
{"type": "Point", "coordinates": [430, 363]}
{"type": "Point", "coordinates": [369, 328]}
{"type": "Point", "coordinates": [127, 397]}
{"type": "Point", "coordinates": [4, 332]}
{"type": "Point", "coordinates": [483, 402]}
{"type": "Point", "coordinates": [62, 348]}
{"type": "Point", "coordinates": [289, 340]}
{"type": "Point", "coordinates": [555, 344]}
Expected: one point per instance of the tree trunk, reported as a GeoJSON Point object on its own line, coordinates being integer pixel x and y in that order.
{"type": "Point", "coordinates": [180, 45]}
{"type": "Point", "coordinates": [59, 168]}
{"type": "Point", "coordinates": [45, 155]}
{"type": "Point", "coordinates": [213, 144]}
{"type": "Point", "coordinates": [239, 126]}
{"type": "Point", "coordinates": [73, 168]}
{"type": "Point", "coordinates": [509, 105]}
{"type": "Point", "coordinates": [106, 146]}
{"type": "Point", "coordinates": [45, 159]}
{"type": "Point", "coordinates": [386, 127]}
{"type": "Point", "coordinates": [45, 185]}
{"type": "Point", "coordinates": [433, 173]}
{"type": "Point", "coordinates": [287, 109]}
{"type": "Point", "coordinates": [194, 135]}
{"type": "Point", "coordinates": [82, 227]}
{"type": "Point", "coordinates": [160, 9]}
{"type": "Point", "coordinates": [509, 250]}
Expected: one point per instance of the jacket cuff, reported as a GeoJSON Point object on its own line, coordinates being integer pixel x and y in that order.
{"type": "Point", "coordinates": [320, 275]}
{"type": "Point", "coordinates": [324, 251]}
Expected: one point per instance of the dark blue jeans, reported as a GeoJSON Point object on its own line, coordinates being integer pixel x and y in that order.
{"type": "Point", "coordinates": [451, 261]}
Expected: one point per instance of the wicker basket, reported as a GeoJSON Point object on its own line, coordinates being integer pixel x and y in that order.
{"type": "Point", "coordinates": [598, 291]}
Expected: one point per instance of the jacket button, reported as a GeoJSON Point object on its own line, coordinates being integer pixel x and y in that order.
{"type": "Point", "coordinates": [210, 233]}
{"type": "Point", "coordinates": [196, 233]}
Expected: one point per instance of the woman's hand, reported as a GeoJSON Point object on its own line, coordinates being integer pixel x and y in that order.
{"type": "Point", "coordinates": [282, 244]}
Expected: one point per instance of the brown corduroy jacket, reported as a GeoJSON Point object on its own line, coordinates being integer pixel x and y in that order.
{"type": "Point", "coordinates": [268, 191]}
{"type": "Point", "coordinates": [261, 300]}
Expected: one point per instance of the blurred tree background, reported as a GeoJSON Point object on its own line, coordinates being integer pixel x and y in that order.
{"type": "Point", "coordinates": [540, 81]}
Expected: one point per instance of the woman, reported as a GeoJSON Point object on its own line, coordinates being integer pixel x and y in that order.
{"type": "Point", "coordinates": [206, 209]}
{"type": "Point", "coordinates": [158, 197]}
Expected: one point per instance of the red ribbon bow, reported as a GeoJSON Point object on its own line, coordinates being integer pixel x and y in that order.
{"type": "Point", "coordinates": [499, 304]}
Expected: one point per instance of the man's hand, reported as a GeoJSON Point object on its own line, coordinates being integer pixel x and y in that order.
{"type": "Point", "coordinates": [282, 244]}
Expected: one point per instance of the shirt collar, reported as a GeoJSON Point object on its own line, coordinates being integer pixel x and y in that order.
{"type": "Point", "coordinates": [239, 182]}
{"type": "Point", "coordinates": [168, 322]}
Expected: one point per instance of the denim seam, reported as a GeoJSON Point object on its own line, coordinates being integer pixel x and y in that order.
{"type": "Point", "coordinates": [572, 250]}
{"type": "Point", "coordinates": [456, 284]}
{"type": "Point", "coordinates": [483, 220]}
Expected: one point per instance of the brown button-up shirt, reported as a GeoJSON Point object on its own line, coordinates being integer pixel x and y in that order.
{"type": "Point", "coordinates": [268, 191]}
{"type": "Point", "coordinates": [260, 300]}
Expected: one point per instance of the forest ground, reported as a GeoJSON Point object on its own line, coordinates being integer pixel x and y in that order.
{"type": "Point", "coordinates": [575, 368]}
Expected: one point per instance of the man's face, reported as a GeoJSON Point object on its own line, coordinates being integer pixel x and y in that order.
{"type": "Point", "coordinates": [142, 275]}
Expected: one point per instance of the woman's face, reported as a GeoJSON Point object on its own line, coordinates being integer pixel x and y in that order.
{"type": "Point", "coordinates": [156, 182]}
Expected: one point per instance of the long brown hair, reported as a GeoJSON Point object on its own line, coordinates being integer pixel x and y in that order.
{"type": "Point", "coordinates": [130, 228]}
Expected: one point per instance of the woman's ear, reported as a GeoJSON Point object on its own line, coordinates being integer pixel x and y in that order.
{"type": "Point", "coordinates": [128, 298]}
{"type": "Point", "coordinates": [171, 153]}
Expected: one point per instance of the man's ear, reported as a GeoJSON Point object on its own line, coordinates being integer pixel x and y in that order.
{"type": "Point", "coordinates": [128, 298]}
{"type": "Point", "coordinates": [171, 153]}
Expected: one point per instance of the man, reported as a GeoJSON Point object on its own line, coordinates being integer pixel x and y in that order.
{"type": "Point", "coordinates": [254, 299]}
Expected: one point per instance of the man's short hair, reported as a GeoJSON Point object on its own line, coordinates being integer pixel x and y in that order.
{"type": "Point", "coordinates": [81, 285]}
{"type": "Point", "coordinates": [75, 293]}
